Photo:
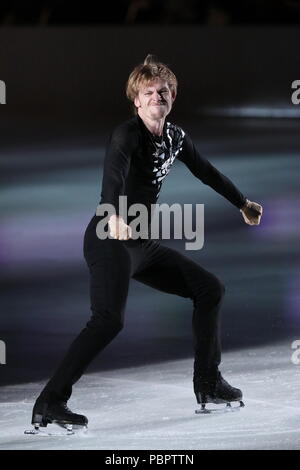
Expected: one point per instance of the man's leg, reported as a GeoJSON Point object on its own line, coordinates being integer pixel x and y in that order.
{"type": "Point", "coordinates": [109, 265]}
{"type": "Point", "coordinates": [172, 272]}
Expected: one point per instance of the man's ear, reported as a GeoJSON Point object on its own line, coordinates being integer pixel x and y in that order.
{"type": "Point", "coordinates": [137, 102]}
{"type": "Point", "coordinates": [173, 96]}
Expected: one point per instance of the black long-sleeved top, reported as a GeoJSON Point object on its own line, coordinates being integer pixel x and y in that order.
{"type": "Point", "coordinates": [137, 162]}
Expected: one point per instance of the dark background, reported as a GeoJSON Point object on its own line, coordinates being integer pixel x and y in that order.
{"type": "Point", "coordinates": [124, 12]}
{"type": "Point", "coordinates": [65, 72]}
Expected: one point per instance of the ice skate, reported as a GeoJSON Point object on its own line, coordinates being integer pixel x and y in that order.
{"type": "Point", "coordinates": [56, 413]}
{"type": "Point", "coordinates": [217, 391]}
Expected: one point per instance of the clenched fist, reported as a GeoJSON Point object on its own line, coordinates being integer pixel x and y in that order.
{"type": "Point", "coordinates": [118, 229]}
{"type": "Point", "coordinates": [252, 212]}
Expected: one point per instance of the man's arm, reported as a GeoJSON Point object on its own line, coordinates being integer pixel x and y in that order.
{"type": "Point", "coordinates": [122, 144]}
{"type": "Point", "coordinates": [208, 174]}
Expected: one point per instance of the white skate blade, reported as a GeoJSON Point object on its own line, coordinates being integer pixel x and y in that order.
{"type": "Point", "coordinates": [58, 430]}
{"type": "Point", "coordinates": [231, 407]}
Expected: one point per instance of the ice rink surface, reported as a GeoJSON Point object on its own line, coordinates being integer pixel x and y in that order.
{"type": "Point", "coordinates": [153, 407]}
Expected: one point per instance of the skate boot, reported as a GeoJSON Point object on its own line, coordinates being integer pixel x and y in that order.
{"type": "Point", "coordinates": [55, 412]}
{"type": "Point", "coordinates": [215, 390]}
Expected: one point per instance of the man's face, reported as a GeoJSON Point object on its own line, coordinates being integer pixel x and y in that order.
{"type": "Point", "coordinates": [154, 100]}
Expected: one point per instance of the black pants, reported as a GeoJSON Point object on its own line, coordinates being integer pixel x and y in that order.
{"type": "Point", "coordinates": [111, 264]}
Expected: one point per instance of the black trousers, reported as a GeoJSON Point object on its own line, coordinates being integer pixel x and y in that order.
{"type": "Point", "coordinates": [112, 263]}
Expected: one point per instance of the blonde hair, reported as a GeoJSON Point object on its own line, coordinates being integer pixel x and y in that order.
{"type": "Point", "coordinates": [151, 69]}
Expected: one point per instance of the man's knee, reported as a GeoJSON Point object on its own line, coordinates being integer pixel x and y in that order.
{"type": "Point", "coordinates": [212, 291]}
{"type": "Point", "coordinates": [219, 287]}
{"type": "Point", "coordinates": [216, 289]}
{"type": "Point", "coordinates": [103, 322]}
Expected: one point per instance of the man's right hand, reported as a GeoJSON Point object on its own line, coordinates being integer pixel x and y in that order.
{"type": "Point", "coordinates": [118, 229]}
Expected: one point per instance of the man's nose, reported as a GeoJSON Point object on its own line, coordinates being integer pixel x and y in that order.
{"type": "Point", "coordinates": [156, 96]}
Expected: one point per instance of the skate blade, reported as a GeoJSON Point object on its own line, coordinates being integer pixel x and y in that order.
{"type": "Point", "coordinates": [58, 431]}
{"type": "Point", "coordinates": [232, 407]}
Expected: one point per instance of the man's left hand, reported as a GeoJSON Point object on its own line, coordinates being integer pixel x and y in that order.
{"type": "Point", "coordinates": [252, 212]}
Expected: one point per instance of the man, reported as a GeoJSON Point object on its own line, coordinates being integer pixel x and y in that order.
{"type": "Point", "coordinates": [140, 154]}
